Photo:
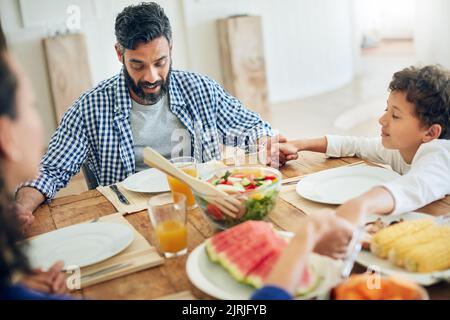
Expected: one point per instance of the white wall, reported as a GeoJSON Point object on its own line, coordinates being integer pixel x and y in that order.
{"type": "Point", "coordinates": [432, 32]}
{"type": "Point", "coordinates": [26, 22]}
{"type": "Point", "coordinates": [308, 44]}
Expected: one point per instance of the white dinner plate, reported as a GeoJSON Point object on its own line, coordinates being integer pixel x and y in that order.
{"type": "Point", "coordinates": [214, 280]}
{"type": "Point", "coordinates": [336, 186]}
{"type": "Point", "coordinates": [368, 259]}
{"type": "Point", "coordinates": [149, 180]}
{"type": "Point", "coordinates": [79, 245]}
{"type": "Point", "coordinates": [154, 181]}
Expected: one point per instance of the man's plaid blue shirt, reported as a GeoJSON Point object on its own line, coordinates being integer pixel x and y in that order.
{"type": "Point", "coordinates": [96, 129]}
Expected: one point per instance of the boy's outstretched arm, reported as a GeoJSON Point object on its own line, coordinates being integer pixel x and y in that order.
{"type": "Point", "coordinates": [377, 200]}
{"type": "Point", "coordinates": [291, 148]}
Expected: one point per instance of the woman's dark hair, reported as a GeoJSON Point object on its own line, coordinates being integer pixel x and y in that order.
{"type": "Point", "coordinates": [12, 258]}
{"type": "Point", "coordinates": [428, 88]}
{"type": "Point", "coordinates": [142, 23]}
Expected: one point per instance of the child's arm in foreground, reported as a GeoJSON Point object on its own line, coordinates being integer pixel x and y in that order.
{"type": "Point", "coordinates": [289, 268]}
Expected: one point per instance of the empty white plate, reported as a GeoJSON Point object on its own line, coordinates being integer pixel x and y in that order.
{"type": "Point", "coordinates": [79, 245]}
{"type": "Point", "coordinates": [150, 180]}
{"type": "Point", "coordinates": [214, 280]}
{"type": "Point", "coordinates": [336, 186]}
{"type": "Point", "coordinates": [154, 181]}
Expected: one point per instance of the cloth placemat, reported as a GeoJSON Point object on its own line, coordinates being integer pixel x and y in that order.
{"type": "Point", "coordinates": [290, 195]}
{"type": "Point", "coordinates": [140, 255]}
{"type": "Point", "coordinates": [138, 201]}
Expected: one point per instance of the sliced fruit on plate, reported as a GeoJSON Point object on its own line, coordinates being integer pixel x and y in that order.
{"type": "Point", "coordinates": [240, 248]}
{"type": "Point", "coordinates": [249, 252]}
{"type": "Point", "coordinates": [309, 282]}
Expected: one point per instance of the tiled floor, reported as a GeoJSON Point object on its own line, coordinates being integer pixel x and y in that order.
{"type": "Point", "coordinates": [350, 110]}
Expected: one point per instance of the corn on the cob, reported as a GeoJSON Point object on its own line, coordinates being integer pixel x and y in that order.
{"type": "Point", "coordinates": [383, 240]}
{"type": "Point", "coordinates": [401, 247]}
{"type": "Point", "coordinates": [429, 257]}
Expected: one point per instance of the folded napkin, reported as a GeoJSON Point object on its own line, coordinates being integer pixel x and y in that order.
{"type": "Point", "coordinates": [138, 200]}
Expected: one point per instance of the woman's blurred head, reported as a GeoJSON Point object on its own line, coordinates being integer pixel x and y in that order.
{"type": "Point", "coordinates": [20, 126]}
{"type": "Point", "coordinates": [20, 152]}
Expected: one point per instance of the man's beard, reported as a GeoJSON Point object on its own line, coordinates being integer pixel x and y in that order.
{"type": "Point", "coordinates": [138, 88]}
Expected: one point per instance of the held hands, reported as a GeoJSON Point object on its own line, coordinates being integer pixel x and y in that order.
{"type": "Point", "coordinates": [279, 151]}
{"type": "Point", "coordinates": [52, 281]}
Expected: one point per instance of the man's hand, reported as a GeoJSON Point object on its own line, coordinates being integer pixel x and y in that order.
{"type": "Point", "coordinates": [283, 152]}
{"type": "Point", "coordinates": [24, 216]}
{"type": "Point", "coordinates": [27, 200]}
{"type": "Point", "coordinates": [275, 156]}
{"type": "Point", "coordinates": [52, 281]}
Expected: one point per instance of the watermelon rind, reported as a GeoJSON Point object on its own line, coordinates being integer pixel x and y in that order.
{"type": "Point", "coordinates": [315, 281]}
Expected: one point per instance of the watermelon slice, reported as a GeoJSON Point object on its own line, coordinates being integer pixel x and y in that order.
{"type": "Point", "coordinates": [258, 275]}
{"type": "Point", "coordinates": [309, 282]}
{"type": "Point", "coordinates": [241, 248]}
{"type": "Point", "coordinates": [249, 251]}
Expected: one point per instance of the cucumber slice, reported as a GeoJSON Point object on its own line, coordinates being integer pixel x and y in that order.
{"type": "Point", "coordinates": [245, 182]}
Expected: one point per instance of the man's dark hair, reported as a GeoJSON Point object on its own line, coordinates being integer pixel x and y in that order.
{"type": "Point", "coordinates": [142, 23]}
{"type": "Point", "coordinates": [428, 88]}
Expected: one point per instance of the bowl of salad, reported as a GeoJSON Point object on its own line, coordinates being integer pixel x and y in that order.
{"type": "Point", "coordinates": [256, 187]}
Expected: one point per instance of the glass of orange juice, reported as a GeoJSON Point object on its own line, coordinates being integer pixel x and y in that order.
{"type": "Point", "coordinates": [168, 217]}
{"type": "Point", "coordinates": [188, 165]}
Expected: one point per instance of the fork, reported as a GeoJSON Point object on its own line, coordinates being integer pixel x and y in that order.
{"type": "Point", "coordinates": [119, 194]}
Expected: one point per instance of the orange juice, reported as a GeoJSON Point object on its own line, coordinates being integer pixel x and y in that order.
{"type": "Point", "coordinates": [178, 186]}
{"type": "Point", "coordinates": [172, 235]}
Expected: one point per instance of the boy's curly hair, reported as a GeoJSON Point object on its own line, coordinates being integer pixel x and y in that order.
{"type": "Point", "coordinates": [428, 88]}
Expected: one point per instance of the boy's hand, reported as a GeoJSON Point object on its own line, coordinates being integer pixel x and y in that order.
{"type": "Point", "coordinates": [282, 152]}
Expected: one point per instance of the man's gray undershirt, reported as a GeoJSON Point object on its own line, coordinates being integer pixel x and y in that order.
{"type": "Point", "coordinates": [157, 127]}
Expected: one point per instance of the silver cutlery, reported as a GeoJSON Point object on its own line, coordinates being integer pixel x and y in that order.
{"type": "Point", "coordinates": [119, 194]}
{"type": "Point", "coordinates": [106, 270]}
{"type": "Point", "coordinates": [353, 251]}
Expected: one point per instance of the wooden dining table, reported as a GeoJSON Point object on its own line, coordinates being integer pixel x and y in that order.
{"type": "Point", "coordinates": [170, 279]}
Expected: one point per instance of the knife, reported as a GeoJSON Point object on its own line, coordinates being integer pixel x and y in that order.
{"type": "Point", "coordinates": [353, 251]}
{"type": "Point", "coordinates": [119, 194]}
{"type": "Point", "coordinates": [106, 270]}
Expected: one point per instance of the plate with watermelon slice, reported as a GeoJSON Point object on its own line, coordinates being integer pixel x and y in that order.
{"type": "Point", "coordinates": [234, 263]}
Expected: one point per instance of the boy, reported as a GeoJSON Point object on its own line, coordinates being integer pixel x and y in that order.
{"type": "Point", "coordinates": [415, 142]}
